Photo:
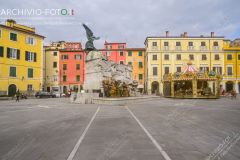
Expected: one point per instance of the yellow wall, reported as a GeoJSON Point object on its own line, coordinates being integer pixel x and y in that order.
{"type": "Point", "coordinates": [135, 59]}
{"type": "Point", "coordinates": [21, 80]}
{"type": "Point", "coordinates": [234, 62]}
{"type": "Point", "coordinates": [160, 50]}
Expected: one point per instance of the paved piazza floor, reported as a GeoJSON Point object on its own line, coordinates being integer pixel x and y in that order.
{"type": "Point", "coordinates": [159, 129]}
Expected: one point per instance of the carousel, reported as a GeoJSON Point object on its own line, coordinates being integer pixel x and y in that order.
{"type": "Point", "coordinates": [192, 83]}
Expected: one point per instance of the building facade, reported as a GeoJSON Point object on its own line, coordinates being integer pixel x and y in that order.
{"type": "Point", "coordinates": [231, 79]}
{"type": "Point", "coordinates": [51, 66]}
{"type": "Point", "coordinates": [21, 59]}
{"type": "Point", "coordinates": [115, 52]}
{"type": "Point", "coordinates": [71, 67]}
{"type": "Point", "coordinates": [135, 58]}
{"type": "Point", "coordinates": [169, 54]}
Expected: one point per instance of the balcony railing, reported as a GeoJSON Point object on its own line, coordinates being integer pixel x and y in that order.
{"type": "Point", "coordinates": [203, 48]}
{"type": "Point", "coordinates": [190, 48]}
{"type": "Point", "coordinates": [178, 48]}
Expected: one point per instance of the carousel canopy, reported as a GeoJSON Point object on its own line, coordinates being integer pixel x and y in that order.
{"type": "Point", "coordinates": [190, 68]}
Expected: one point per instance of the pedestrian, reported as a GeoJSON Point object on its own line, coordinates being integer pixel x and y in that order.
{"type": "Point", "coordinates": [17, 95]}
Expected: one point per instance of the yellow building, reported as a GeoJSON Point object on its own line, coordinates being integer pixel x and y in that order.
{"type": "Point", "coordinates": [21, 50]}
{"type": "Point", "coordinates": [231, 79]}
{"type": "Point", "coordinates": [169, 54]}
{"type": "Point", "coordinates": [51, 66]}
{"type": "Point", "coordinates": [135, 57]}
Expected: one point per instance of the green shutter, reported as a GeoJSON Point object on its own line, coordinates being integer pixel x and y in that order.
{"type": "Point", "coordinates": [18, 54]}
{"type": "Point", "coordinates": [1, 51]}
{"type": "Point", "coordinates": [30, 73]}
{"type": "Point", "coordinates": [12, 72]}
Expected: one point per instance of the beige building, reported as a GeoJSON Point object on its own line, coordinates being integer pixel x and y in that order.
{"type": "Point", "coordinates": [51, 64]}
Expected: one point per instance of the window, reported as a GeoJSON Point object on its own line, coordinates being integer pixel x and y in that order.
{"type": "Point", "coordinates": [108, 53]}
{"type": "Point", "coordinates": [179, 69]}
{"type": "Point", "coordinates": [155, 71]}
{"type": "Point", "coordinates": [190, 44]}
{"type": "Point", "coordinates": [178, 43]}
{"type": "Point", "coordinates": [55, 53]}
{"type": "Point", "coordinates": [229, 71]}
{"type": "Point", "coordinates": [139, 53]}
{"type": "Point", "coordinates": [64, 66]}
{"type": "Point", "coordinates": [1, 51]}
{"type": "Point", "coordinates": [166, 70]}
{"type": "Point", "coordinates": [205, 69]}
{"type": "Point", "coordinates": [166, 57]}
{"type": "Point", "coordinates": [130, 63]}
{"type": "Point", "coordinates": [166, 44]}
{"type": "Point", "coordinates": [203, 44]}
{"type": "Point", "coordinates": [30, 40]}
{"type": "Point", "coordinates": [121, 62]}
{"type": "Point", "coordinates": [78, 56]}
{"type": "Point", "coordinates": [13, 36]}
{"type": "Point", "coordinates": [12, 72]}
{"type": "Point", "coordinates": [204, 57]}
{"type": "Point", "coordinates": [129, 53]}
{"type": "Point", "coordinates": [215, 44]}
{"type": "Point", "coordinates": [77, 66]}
{"type": "Point", "coordinates": [64, 57]}
{"type": "Point", "coordinates": [216, 57]}
{"type": "Point", "coordinates": [13, 53]}
{"type": "Point", "coordinates": [29, 87]}
{"type": "Point", "coordinates": [54, 64]}
{"type": "Point", "coordinates": [178, 57]}
{"type": "Point", "coordinates": [140, 76]}
{"type": "Point", "coordinates": [30, 73]}
{"type": "Point", "coordinates": [154, 44]}
{"type": "Point", "coordinates": [229, 57]}
{"type": "Point", "coordinates": [120, 46]}
{"type": "Point", "coordinates": [78, 78]}
{"type": "Point", "coordinates": [191, 57]}
{"type": "Point", "coordinates": [154, 57]}
{"type": "Point", "coordinates": [140, 64]}
{"type": "Point", "coordinates": [121, 53]}
{"type": "Point", "coordinates": [217, 70]}
{"type": "Point", "coordinates": [64, 78]}
{"type": "Point", "coordinates": [30, 56]}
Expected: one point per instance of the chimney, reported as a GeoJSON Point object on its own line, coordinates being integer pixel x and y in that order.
{"type": "Point", "coordinates": [212, 34]}
{"type": "Point", "coordinates": [185, 34]}
{"type": "Point", "coordinates": [167, 33]}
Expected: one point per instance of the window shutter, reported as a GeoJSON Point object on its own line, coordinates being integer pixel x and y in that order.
{"type": "Point", "coordinates": [26, 55]}
{"type": "Point", "coordinates": [8, 52]}
{"type": "Point", "coordinates": [18, 54]}
{"type": "Point", "coordinates": [35, 57]}
{"type": "Point", "coordinates": [1, 51]}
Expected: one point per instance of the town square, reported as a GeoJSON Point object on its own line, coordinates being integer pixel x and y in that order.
{"type": "Point", "coordinates": [122, 80]}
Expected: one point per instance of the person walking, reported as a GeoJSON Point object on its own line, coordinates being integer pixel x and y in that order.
{"type": "Point", "coordinates": [17, 95]}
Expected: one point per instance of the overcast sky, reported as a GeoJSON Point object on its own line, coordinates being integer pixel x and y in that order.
{"type": "Point", "coordinates": [132, 21]}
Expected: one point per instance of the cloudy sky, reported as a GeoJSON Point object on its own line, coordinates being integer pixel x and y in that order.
{"type": "Point", "coordinates": [131, 21]}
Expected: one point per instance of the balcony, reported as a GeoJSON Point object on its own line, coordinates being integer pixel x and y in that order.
{"type": "Point", "coordinates": [178, 48]}
{"type": "Point", "coordinates": [190, 48]}
{"type": "Point", "coordinates": [215, 48]}
{"type": "Point", "coordinates": [166, 48]}
{"type": "Point", "coordinates": [154, 48]}
{"type": "Point", "coordinates": [203, 48]}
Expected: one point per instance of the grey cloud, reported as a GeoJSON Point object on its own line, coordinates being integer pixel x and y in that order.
{"type": "Point", "coordinates": [133, 20]}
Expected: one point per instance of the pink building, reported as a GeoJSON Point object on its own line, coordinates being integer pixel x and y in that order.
{"type": "Point", "coordinates": [115, 52]}
{"type": "Point", "coordinates": [71, 66]}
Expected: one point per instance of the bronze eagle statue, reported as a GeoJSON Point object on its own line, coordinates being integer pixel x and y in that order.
{"type": "Point", "coordinates": [89, 46]}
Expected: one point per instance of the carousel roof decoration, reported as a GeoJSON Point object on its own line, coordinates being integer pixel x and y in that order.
{"type": "Point", "coordinates": [190, 68]}
{"type": "Point", "coordinates": [190, 72]}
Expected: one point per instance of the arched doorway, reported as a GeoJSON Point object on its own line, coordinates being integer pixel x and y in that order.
{"type": "Point", "coordinates": [12, 89]}
{"type": "Point", "coordinates": [155, 87]}
{"type": "Point", "coordinates": [229, 86]}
